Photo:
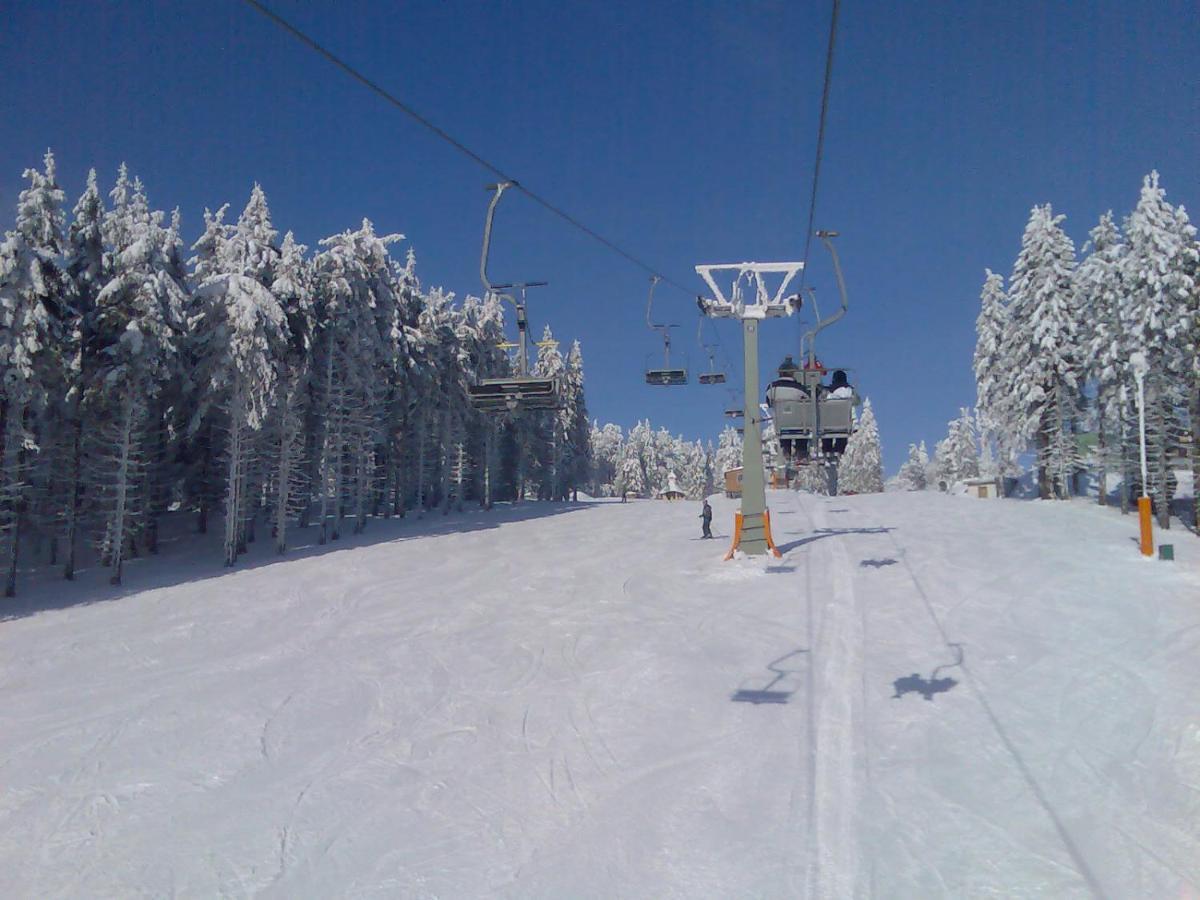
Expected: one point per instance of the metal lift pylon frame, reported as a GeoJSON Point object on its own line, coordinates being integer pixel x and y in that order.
{"type": "Point", "coordinates": [752, 528]}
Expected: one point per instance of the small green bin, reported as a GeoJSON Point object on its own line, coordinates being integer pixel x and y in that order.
{"type": "Point", "coordinates": [1166, 551]}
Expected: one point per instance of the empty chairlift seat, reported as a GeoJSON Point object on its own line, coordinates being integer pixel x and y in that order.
{"type": "Point", "coordinates": [667, 376]}
{"type": "Point", "coordinates": [514, 394]}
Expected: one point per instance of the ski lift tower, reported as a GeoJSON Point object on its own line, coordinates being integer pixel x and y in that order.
{"type": "Point", "coordinates": [751, 301]}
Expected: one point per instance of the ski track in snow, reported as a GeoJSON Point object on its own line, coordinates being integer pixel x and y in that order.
{"type": "Point", "coordinates": [542, 709]}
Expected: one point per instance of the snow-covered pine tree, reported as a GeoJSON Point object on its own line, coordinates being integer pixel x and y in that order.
{"type": "Point", "coordinates": [86, 270]}
{"type": "Point", "coordinates": [285, 438]}
{"type": "Point", "coordinates": [136, 329]}
{"type": "Point", "coordinates": [729, 451]}
{"type": "Point", "coordinates": [941, 468]}
{"type": "Point", "coordinates": [813, 478]}
{"type": "Point", "coordinates": [575, 426]}
{"type": "Point", "coordinates": [606, 444]}
{"type": "Point", "coordinates": [490, 362]}
{"type": "Point", "coordinates": [1159, 320]}
{"type": "Point", "coordinates": [993, 377]}
{"type": "Point", "coordinates": [33, 298]}
{"type": "Point", "coordinates": [244, 339]}
{"type": "Point", "coordinates": [963, 447]}
{"type": "Point", "coordinates": [861, 469]}
{"type": "Point", "coordinates": [911, 476]}
{"type": "Point", "coordinates": [547, 438]}
{"type": "Point", "coordinates": [631, 477]}
{"type": "Point", "coordinates": [1041, 348]}
{"type": "Point", "coordinates": [640, 451]}
{"type": "Point", "coordinates": [1099, 285]}
{"type": "Point", "coordinates": [447, 336]}
{"type": "Point", "coordinates": [352, 278]}
{"type": "Point", "coordinates": [201, 455]}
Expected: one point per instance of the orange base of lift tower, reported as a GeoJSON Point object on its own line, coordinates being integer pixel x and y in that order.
{"type": "Point", "coordinates": [737, 535]}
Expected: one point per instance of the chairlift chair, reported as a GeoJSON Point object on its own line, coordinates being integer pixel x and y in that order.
{"type": "Point", "coordinates": [812, 424]}
{"type": "Point", "coordinates": [521, 391]}
{"type": "Point", "coordinates": [667, 374]}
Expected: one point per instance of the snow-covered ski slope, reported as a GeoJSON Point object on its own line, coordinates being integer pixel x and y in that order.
{"type": "Point", "coordinates": [543, 709]}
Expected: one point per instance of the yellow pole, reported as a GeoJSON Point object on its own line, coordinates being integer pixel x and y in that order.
{"type": "Point", "coordinates": [1147, 529]}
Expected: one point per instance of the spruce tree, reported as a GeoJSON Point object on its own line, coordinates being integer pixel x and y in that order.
{"type": "Point", "coordinates": [1158, 316]}
{"type": "Point", "coordinates": [33, 305]}
{"type": "Point", "coordinates": [862, 463]}
{"type": "Point", "coordinates": [1042, 348]}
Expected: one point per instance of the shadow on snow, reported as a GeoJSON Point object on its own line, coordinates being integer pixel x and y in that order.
{"type": "Point", "coordinates": [822, 533]}
{"type": "Point", "coordinates": [927, 687]}
{"type": "Point", "coordinates": [774, 690]}
{"type": "Point", "coordinates": [187, 557]}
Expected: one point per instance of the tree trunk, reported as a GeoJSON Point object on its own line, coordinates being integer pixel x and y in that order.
{"type": "Point", "coordinates": [488, 440]}
{"type": "Point", "coordinates": [327, 443]}
{"type": "Point", "coordinates": [1162, 501]}
{"type": "Point", "coordinates": [1123, 437]}
{"type": "Point", "coordinates": [124, 464]}
{"type": "Point", "coordinates": [337, 469]}
{"type": "Point", "coordinates": [421, 465]}
{"type": "Point", "coordinates": [10, 479]}
{"type": "Point", "coordinates": [1194, 415]}
{"type": "Point", "coordinates": [154, 480]}
{"type": "Point", "coordinates": [461, 465]}
{"type": "Point", "coordinates": [205, 467]}
{"type": "Point", "coordinates": [362, 480]}
{"type": "Point", "coordinates": [283, 472]}
{"type": "Point", "coordinates": [74, 492]}
{"type": "Point", "coordinates": [1101, 454]}
{"type": "Point", "coordinates": [233, 484]}
{"type": "Point", "coordinates": [1045, 487]}
{"type": "Point", "coordinates": [446, 450]}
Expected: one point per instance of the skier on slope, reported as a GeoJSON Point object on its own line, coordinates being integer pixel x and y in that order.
{"type": "Point", "coordinates": [706, 515]}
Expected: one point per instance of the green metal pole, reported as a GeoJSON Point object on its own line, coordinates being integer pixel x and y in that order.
{"type": "Point", "coordinates": [754, 490]}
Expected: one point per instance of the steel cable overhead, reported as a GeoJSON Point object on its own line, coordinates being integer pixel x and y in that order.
{"type": "Point", "coordinates": [462, 148]}
{"type": "Point", "coordinates": [812, 203]}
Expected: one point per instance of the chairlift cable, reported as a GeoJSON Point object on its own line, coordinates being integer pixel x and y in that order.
{"type": "Point", "coordinates": [812, 203]}
{"type": "Point", "coordinates": [459, 145]}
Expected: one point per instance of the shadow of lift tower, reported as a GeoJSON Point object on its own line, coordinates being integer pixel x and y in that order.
{"type": "Point", "coordinates": [752, 302]}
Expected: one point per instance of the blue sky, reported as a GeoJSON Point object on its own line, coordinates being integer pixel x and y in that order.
{"type": "Point", "coordinates": [683, 131]}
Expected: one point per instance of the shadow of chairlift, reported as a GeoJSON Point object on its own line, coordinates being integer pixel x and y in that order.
{"type": "Point", "coordinates": [927, 687]}
{"type": "Point", "coordinates": [876, 563]}
{"type": "Point", "coordinates": [770, 692]}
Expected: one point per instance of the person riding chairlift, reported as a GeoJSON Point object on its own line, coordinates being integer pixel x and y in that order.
{"type": "Point", "coordinates": [839, 386]}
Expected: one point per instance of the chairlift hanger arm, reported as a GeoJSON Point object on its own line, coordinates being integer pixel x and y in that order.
{"type": "Point", "coordinates": [822, 324]}
{"type": "Point", "coordinates": [499, 188]}
{"type": "Point", "coordinates": [654, 280]}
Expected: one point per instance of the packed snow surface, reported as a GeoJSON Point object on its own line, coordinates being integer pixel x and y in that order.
{"type": "Point", "coordinates": [537, 702]}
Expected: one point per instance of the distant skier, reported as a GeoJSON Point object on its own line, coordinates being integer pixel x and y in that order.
{"type": "Point", "coordinates": [706, 515]}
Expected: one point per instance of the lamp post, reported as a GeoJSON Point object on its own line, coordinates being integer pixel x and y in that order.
{"type": "Point", "coordinates": [1145, 525]}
